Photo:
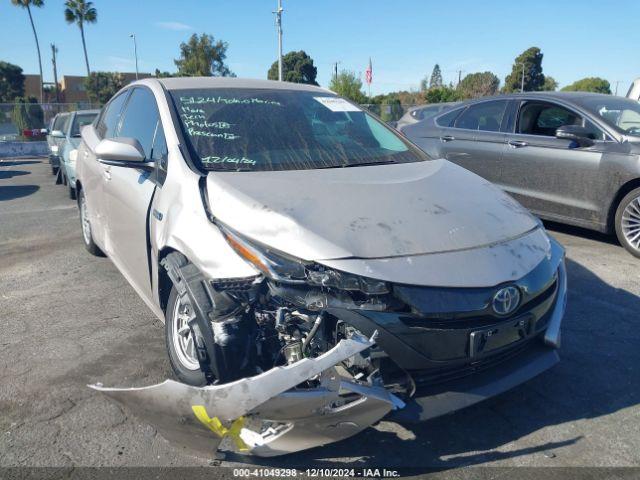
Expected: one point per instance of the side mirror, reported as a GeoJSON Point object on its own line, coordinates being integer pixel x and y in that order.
{"type": "Point", "coordinates": [575, 133]}
{"type": "Point", "coordinates": [56, 134]}
{"type": "Point", "coordinates": [121, 151]}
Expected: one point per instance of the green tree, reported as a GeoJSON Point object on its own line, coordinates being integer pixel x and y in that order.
{"type": "Point", "coordinates": [81, 12]}
{"type": "Point", "coordinates": [550, 84]}
{"type": "Point", "coordinates": [533, 76]}
{"type": "Point", "coordinates": [589, 84]}
{"type": "Point", "coordinates": [101, 86]}
{"type": "Point", "coordinates": [159, 74]}
{"type": "Point", "coordinates": [347, 85]}
{"type": "Point", "coordinates": [27, 114]}
{"type": "Point", "coordinates": [202, 56]}
{"type": "Point", "coordinates": [28, 4]}
{"type": "Point", "coordinates": [297, 67]}
{"type": "Point", "coordinates": [442, 94]}
{"type": "Point", "coordinates": [11, 82]}
{"type": "Point", "coordinates": [480, 84]}
{"type": "Point", "coordinates": [436, 77]}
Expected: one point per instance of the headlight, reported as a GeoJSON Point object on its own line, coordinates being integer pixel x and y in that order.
{"type": "Point", "coordinates": [54, 149]}
{"type": "Point", "coordinates": [284, 268]}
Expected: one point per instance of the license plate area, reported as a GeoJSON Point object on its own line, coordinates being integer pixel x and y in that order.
{"type": "Point", "coordinates": [490, 339]}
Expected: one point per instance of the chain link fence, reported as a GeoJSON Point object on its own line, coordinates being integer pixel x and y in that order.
{"type": "Point", "coordinates": [15, 118]}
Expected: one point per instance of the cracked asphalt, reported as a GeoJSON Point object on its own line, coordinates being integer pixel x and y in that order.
{"type": "Point", "coordinates": [69, 319]}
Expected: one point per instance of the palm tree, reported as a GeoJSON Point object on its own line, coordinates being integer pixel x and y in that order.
{"type": "Point", "coordinates": [28, 4]}
{"type": "Point", "coordinates": [81, 12]}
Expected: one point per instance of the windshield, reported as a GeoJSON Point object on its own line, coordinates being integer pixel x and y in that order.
{"type": "Point", "coordinates": [262, 129]}
{"type": "Point", "coordinates": [622, 114]}
{"type": "Point", "coordinates": [80, 121]}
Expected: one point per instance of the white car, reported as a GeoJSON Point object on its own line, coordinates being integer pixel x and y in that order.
{"type": "Point", "coordinates": [315, 271]}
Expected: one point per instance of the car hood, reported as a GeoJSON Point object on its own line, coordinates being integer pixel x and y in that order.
{"type": "Point", "coordinates": [367, 212]}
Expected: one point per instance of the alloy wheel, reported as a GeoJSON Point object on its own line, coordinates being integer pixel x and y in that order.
{"type": "Point", "coordinates": [182, 336]}
{"type": "Point", "coordinates": [631, 223]}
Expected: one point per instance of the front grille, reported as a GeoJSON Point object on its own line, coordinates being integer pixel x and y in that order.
{"type": "Point", "coordinates": [441, 375]}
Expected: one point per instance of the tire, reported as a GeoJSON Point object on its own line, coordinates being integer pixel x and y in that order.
{"type": "Point", "coordinates": [72, 193]}
{"type": "Point", "coordinates": [87, 237]}
{"type": "Point", "coordinates": [181, 357]}
{"type": "Point", "coordinates": [627, 222]}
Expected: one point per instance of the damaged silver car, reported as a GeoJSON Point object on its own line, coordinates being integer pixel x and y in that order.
{"type": "Point", "coordinates": [315, 271]}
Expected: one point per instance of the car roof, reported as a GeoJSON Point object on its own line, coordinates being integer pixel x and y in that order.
{"type": "Point", "coordinates": [184, 83]}
{"type": "Point", "coordinates": [567, 96]}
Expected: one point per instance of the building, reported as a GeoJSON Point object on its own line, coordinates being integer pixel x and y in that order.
{"type": "Point", "coordinates": [71, 87]}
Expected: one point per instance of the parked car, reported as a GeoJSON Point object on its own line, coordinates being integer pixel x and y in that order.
{"type": "Point", "coordinates": [568, 157]}
{"type": "Point", "coordinates": [279, 230]}
{"type": "Point", "coordinates": [422, 112]}
{"type": "Point", "coordinates": [55, 138]}
{"type": "Point", "coordinates": [68, 140]}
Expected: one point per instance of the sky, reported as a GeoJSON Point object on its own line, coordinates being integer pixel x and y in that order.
{"type": "Point", "coordinates": [404, 38]}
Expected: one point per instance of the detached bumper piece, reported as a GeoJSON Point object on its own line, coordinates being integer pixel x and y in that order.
{"type": "Point", "coordinates": [264, 415]}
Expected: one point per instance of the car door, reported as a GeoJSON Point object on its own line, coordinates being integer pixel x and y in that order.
{"type": "Point", "coordinates": [94, 172]}
{"type": "Point", "coordinates": [476, 139]}
{"type": "Point", "coordinates": [553, 177]}
{"type": "Point", "coordinates": [129, 191]}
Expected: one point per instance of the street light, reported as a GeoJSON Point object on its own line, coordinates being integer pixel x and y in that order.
{"type": "Point", "coordinates": [135, 52]}
{"type": "Point", "coordinates": [278, 13]}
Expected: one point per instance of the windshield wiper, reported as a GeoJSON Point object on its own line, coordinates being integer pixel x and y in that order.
{"type": "Point", "coordinates": [367, 164]}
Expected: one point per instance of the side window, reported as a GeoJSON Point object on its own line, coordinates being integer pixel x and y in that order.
{"type": "Point", "coordinates": [447, 119]}
{"type": "Point", "coordinates": [110, 117]}
{"type": "Point", "coordinates": [58, 122]}
{"type": "Point", "coordinates": [486, 116]}
{"type": "Point", "coordinates": [67, 124]}
{"type": "Point", "coordinates": [140, 119]}
{"type": "Point", "coordinates": [538, 118]}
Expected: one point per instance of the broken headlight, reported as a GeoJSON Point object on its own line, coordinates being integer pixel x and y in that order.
{"type": "Point", "coordinates": [287, 269]}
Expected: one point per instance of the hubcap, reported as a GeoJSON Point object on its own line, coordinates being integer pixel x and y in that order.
{"type": "Point", "coordinates": [631, 223]}
{"type": "Point", "coordinates": [86, 226]}
{"type": "Point", "coordinates": [183, 343]}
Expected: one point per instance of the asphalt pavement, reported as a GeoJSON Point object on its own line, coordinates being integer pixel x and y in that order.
{"type": "Point", "coordinates": [68, 319]}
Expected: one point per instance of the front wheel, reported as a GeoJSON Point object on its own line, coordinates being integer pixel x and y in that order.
{"type": "Point", "coordinates": [87, 236]}
{"type": "Point", "coordinates": [180, 342]}
{"type": "Point", "coordinates": [627, 222]}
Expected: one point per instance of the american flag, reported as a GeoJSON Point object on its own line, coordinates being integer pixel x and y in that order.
{"type": "Point", "coordinates": [368, 75]}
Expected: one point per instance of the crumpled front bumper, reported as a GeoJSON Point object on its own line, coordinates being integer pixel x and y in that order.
{"type": "Point", "coordinates": [267, 415]}
{"type": "Point", "coordinates": [263, 415]}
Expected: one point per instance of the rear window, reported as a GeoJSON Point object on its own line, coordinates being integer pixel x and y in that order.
{"type": "Point", "coordinates": [264, 129]}
{"type": "Point", "coordinates": [447, 119]}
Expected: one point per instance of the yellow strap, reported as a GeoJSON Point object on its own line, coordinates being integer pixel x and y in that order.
{"type": "Point", "coordinates": [215, 425]}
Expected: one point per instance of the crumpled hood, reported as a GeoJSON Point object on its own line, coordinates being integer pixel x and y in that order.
{"type": "Point", "coordinates": [367, 212]}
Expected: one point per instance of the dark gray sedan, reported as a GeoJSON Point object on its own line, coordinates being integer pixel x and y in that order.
{"type": "Point", "coordinates": [568, 157]}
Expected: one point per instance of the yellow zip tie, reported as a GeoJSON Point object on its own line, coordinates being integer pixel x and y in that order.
{"type": "Point", "coordinates": [215, 425]}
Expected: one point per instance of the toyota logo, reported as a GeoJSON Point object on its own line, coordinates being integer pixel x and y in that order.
{"type": "Point", "coordinates": [506, 300]}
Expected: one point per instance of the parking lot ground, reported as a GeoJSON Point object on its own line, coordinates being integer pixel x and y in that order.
{"type": "Point", "coordinates": [69, 319]}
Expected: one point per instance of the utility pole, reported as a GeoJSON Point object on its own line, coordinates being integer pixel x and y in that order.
{"type": "Point", "coordinates": [135, 52]}
{"type": "Point", "coordinates": [54, 51]}
{"type": "Point", "coordinates": [335, 70]}
{"type": "Point", "coordinates": [522, 82]}
{"type": "Point", "coordinates": [279, 29]}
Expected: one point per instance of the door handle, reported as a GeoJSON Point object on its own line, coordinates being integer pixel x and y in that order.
{"type": "Point", "coordinates": [447, 138]}
{"type": "Point", "coordinates": [517, 144]}
{"type": "Point", "coordinates": [107, 173]}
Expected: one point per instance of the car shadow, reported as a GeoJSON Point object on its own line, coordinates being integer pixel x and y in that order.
{"type": "Point", "coordinates": [5, 174]}
{"type": "Point", "coordinates": [12, 192]}
{"type": "Point", "coordinates": [14, 163]}
{"type": "Point", "coordinates": [581, 232]}
{"type": "Point", "coordinates": [597, 376]}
